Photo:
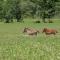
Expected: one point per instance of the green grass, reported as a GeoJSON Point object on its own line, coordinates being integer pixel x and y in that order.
{"type": "Point", "coordinates": [14, 45]}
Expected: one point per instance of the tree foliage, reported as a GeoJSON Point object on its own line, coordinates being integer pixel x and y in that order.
{"type": "Point", "coordinates": [17, 9]}
{"type": "Point", "coordinates": [1, 9]}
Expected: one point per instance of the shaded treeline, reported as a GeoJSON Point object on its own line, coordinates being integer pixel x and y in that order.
{"type": "Point", "coordinates": [19, 9]}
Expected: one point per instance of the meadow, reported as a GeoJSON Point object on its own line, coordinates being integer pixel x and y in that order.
{"type": "Point", "coordinates": [15, 45]}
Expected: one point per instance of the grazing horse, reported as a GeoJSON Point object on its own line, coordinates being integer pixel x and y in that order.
{"type": "Point", "coordinates": [49, 31]}
{"type": "Point", "coordinates": [30, 31]}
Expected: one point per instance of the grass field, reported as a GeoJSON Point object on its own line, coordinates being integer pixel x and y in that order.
{"type": "Point", "coordinates": [14, 45]}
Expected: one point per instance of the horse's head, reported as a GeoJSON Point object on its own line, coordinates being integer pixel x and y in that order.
{"type": "Point", "coordinates": [25, 29]}
{"type": "Point", "coordinates": [44, 30]}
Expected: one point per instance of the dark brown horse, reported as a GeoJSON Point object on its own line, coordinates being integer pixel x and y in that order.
{"type": "Point", "coordinates": [49, 31]}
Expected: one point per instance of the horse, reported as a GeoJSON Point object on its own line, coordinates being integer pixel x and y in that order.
{"type": "Point", "coordinates": [30, 31]}
{"type": "Point", "coordinates": [49, 31]}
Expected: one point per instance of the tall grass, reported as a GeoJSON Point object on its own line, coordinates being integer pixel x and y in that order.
{"type": "Point", "coordinates": [15, 45]}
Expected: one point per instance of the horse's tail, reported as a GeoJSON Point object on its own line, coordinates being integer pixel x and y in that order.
{"type": "Point", "coordinates": [56, 31]}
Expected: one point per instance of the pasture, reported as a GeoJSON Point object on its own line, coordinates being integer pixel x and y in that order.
{"type": "Point", "coordinates": [15, 45]}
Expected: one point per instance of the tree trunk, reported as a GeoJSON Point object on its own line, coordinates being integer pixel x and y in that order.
{"type": "Point", "coordinates": [18, 19]}
{"type": "Point", "coordinates": [43, 17]}
{"type": "Point", "coordinates": [43, 20]}
{"type": "Point", "coordinates": [11, 20]}
{"type": "Point", "coordinates": [7, 21]}
{"type": "Point", "coordinates": [50, 21]}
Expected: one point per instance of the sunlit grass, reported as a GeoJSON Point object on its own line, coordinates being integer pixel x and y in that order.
{"type": "Point", "coordinates": [14, 45]}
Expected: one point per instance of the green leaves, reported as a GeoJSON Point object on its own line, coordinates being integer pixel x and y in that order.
{"type": "Point", "coordinates": [21, 8]}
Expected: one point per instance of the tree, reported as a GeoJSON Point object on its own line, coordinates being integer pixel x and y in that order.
{"type": "Point", "coordinates": [8, 17]}
{"type": "Point", "coordinates": [12, 9]}
{"type": "Point", "coordinates": [1, 9]}
{"type": "Point", "coordinates": [46, 8]}
{"type": "Point", "coordinates": [28, 8]}
{"type": "Point", "coordinates": [16, 9]}
{"type": "Point", "coordinates": [7, 11]}
{"type": "Point", "coordinates": [57, 9]}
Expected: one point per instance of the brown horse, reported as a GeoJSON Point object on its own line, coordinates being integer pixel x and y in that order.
{"type": "Point", "coordinates": [49, 31]}
{"type": "Point", "coordinates": [30, 31]}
